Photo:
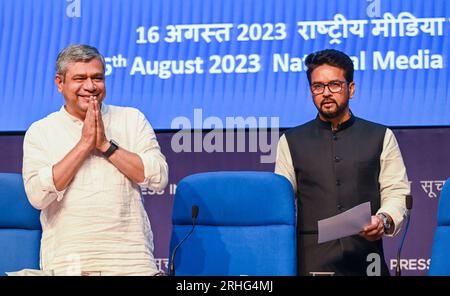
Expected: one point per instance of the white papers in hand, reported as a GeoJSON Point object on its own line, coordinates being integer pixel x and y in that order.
{"type": "Point", "coordinates": [345, 224]}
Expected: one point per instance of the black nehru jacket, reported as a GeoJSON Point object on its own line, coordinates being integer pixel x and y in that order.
{"type": "Point", "coordinates": [335, 171]}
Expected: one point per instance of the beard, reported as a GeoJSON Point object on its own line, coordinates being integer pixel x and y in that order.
{"type": "Point", "coordinates": [340, 109]}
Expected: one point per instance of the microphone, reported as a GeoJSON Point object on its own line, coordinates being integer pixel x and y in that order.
{"type": "Point", "coordinates": [409, 204]}
{"type": "Point", "coordinates": [172, 261]}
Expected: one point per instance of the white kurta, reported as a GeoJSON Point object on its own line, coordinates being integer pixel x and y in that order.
{"type": "Point", "coordinates": [98, 223]}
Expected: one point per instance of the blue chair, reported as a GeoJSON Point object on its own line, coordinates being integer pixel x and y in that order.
{"type": "Point", "coordinates": [20, 228]}
{"type": "Point", "coordinates": [245, 225]}
{"type": "Point", "coordinates": [440, 253]}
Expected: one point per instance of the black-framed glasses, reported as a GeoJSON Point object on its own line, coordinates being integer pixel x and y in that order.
{"type": "Point", "coordinates": [334, 86]}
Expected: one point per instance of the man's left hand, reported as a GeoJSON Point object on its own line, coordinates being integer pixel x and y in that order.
{"type": "Point", "coordinates": [373, 231]}
{"type": "Point", "coordinates": [101, 142]}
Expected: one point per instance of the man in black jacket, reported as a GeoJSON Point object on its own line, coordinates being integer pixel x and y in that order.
{"type": "Point", "coordinates": [335, 162]}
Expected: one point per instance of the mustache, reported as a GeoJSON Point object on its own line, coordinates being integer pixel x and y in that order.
{"type": "Point", "coordinates": [327, 100]}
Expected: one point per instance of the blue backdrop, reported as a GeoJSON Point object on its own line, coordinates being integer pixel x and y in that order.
{"type": "Point", "coordinates": [229, 57]}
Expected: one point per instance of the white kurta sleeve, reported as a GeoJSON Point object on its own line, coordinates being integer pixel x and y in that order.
{"type": "Point", "coordinates": [156, 170]}
{"type": "Point", "coordinates": [394, 185]}
{"type": "Point", "coordinates": [283, 164]}
{"type": "Point", "coordinates": [37, 171]}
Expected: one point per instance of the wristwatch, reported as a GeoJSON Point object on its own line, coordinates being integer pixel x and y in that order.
{"type": "Point", "coordinates": [386, 222]}
{"type": "Point", "coordinates": [114, 146]}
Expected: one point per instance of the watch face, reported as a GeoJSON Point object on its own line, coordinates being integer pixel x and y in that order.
{"type": "Point", "coordinates": [385, 220]}
{"type": "Point", "coordinates": [114, 146]}
{"type": "Point", "coordinates": [386, 223]}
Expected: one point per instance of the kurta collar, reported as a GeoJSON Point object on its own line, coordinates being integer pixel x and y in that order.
{"type": "Point", "coordinates": [104, 109]}
{"type": "Point", "coordinates": [341, 126]}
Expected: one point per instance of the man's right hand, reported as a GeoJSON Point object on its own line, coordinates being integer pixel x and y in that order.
{"type": "Point", "coordinates": [65, 170]}
{"type": "Point", "coordinates": [88, 134]}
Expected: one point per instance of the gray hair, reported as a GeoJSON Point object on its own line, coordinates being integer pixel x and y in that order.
{"type": "Point", "coordinates": [76, 53]}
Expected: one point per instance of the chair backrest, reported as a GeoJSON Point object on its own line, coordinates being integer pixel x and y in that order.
{"type": "Point", "coordinates": [20, 228]}
{"type": "Point", "coordinates": [245, 225]}
{"type": "Point", "coordinates": [440, 253]}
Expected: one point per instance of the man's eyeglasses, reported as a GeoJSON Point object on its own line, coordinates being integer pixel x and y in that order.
{"type": "Point", "coordinates": [334, 86]}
